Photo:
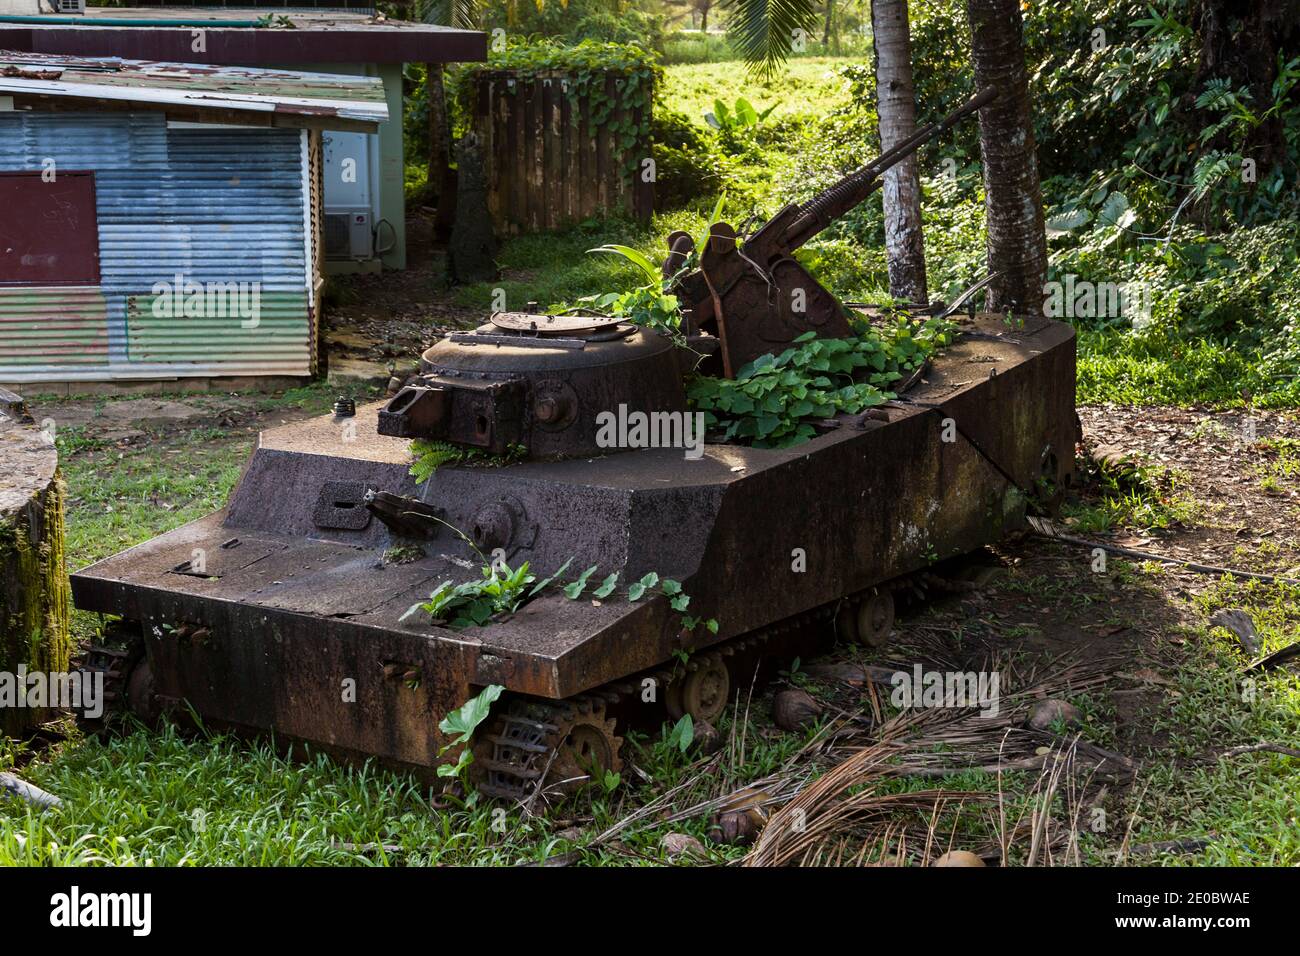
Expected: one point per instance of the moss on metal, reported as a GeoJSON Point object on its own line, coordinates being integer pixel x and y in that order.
{"type": "Point", "coordinates": [34, 595]}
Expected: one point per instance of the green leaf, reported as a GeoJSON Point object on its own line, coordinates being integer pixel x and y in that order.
{"type": "Point", "coordinates": [746, 115]}
{"type": "Point", "coordinates": [682, 734]}
{"type": "Point", "coordinates": [574, 590]}
{"type": "Point", "coordinates": [635, 591]}
{"type": "Point", "coordinates": [547, 583]}
{"type": "Point", "coordinates": [763, 31]}
{"type": "Point", "coordinates": [714, 216]}
{"type": "Point", "coordinates": [606, 587]}
{"type": "Point", "coordinates": [461, 722]}
{"type": "Point", "coordinates": [465, 758]}
{"type": "Point", "coordinates": [635, 256]}
{"type": "Point", "coordinates": [670, 587]}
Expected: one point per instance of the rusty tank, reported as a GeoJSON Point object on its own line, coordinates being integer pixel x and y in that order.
{"type": "Point", "coordinates": [288, 610]}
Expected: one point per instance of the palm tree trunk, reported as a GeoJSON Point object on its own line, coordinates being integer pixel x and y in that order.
{"type": "Point", "coordinates": [1013, 202]}
{"type": "Point", "coordinates": [439, 128]}
{"type": "Point", "coordinates": [1243, 43]}
{"type": "Point", "coordinates": [896, 106]}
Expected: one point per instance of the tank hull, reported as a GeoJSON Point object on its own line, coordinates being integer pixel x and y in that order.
{"type": "Point", "coordinates": [284, 611]}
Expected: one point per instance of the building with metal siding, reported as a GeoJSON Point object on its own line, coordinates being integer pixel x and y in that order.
{"type": "Point", "coordinates": [190, 249]}
{"type": "Point", "coordinates": [328, 40]}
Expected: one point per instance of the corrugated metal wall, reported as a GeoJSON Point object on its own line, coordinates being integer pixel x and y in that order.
{"type": "Point", "coordinates": [211, 205]}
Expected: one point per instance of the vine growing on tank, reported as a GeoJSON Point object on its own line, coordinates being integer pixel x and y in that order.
{"type": "Point", "coordinates": [502, 590]}
{"type": "Point", "coordinates": [776, 400]}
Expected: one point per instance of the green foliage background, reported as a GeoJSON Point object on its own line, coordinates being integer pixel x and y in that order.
{"type": "Point", "coordinates": [1140, 163]}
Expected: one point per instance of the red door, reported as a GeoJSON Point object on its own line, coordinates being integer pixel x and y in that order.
{"type": "Point", "coordinates": [49, 234]}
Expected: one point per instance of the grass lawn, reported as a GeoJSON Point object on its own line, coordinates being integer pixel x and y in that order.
{"type": "Point", "coordinates": [809, 86]}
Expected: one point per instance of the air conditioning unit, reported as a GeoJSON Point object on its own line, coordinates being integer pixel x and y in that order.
{"type": "Point", "coordinates": [348, 233]}
{"type": "Point", "coordinates": [70, 6]}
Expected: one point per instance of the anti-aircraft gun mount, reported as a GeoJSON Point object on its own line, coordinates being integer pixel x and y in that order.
{"type": "Point", "coordinates": [753, 295]}
{"type": "Point", "coordinates": [535, 383]}
{"type": "Point", "coordinates": [287, 610]}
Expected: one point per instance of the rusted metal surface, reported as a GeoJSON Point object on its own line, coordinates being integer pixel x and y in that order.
{"type": "Point", "coordinates": [282, 334]}
{"type": "Point", "coordinates": [759, 299]}
{"type": "Point", "coordinates": [325, 99]}
{"type": "Point", "coordinates": [48, 326]}
{"type": "Point", "coordinates": [225, 210]}
{"type": "Point", "coordinates": [547, 165]}
{"type": "Point", "coordinates": [305, 600]}
{"type": "Point", "coordinates": [511, 385]}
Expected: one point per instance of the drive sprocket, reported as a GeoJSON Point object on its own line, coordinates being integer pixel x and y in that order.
{"type": "Point", "coordinates": [547, 747]}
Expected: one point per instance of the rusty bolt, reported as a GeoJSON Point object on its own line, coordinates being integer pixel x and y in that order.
{"type": "Point", "coordinates": [547, 410]}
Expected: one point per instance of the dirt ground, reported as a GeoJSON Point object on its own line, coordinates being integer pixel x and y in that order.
{"type": "Point", "coordinates": [387, 320]}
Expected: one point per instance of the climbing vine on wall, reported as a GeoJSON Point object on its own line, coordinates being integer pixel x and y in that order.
{"type": "Point", "coordinates": [583, 72]}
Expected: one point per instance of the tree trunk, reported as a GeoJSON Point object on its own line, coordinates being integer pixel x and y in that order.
{"type": "Point", "coordinates": [704, 16]}
{"type": "Point", "coordinates": [34, 592]}
{"type": "Point", "coordinates": [896, 106]}
{"type": "Point", "coordinates": [1013, 203]}
{"type": "Point", "coordinates": [442, 178]}
{"type": "Point", "coordinates": [439, 126]}
{"type": "Point", "coordinates": [472, 247]}
{"type": "Point", "coordinates": [1242, 43]}
{"type": "Point", "coordinates": [830, 19]}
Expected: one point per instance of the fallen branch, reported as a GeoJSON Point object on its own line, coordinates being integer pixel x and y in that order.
{"type": "Point", "coordinates": [12, 786]}
{"type": "Point", "coordinates": [1276, 659]}
{"type": "Point", "coordinates": [1046, 529]}
{"type": "Point", "coordinates": [1241, 626]}
{"type": "Point", "coordinates": [1262, 748]}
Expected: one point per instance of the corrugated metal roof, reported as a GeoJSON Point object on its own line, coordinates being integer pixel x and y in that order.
{"type": "Point", "coordinates": [317, 97]}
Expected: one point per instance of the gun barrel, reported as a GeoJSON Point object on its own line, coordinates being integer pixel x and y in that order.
{"type": "Point", "coordinates": [824, 208]}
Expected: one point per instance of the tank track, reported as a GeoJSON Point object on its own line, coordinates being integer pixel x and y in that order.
{"type": "Point", "coordinates": [526, 746]}
{"type": "Point", "coordinates": [519, 753]}
{"type": "Point", "coordinates": [115, 664]}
